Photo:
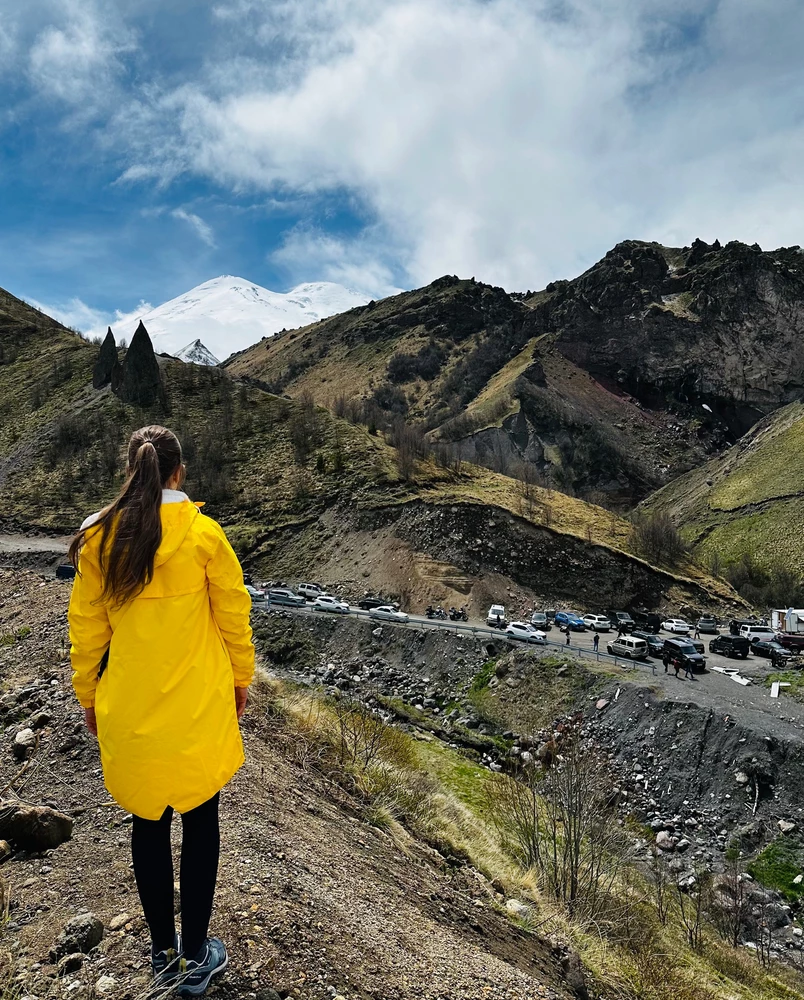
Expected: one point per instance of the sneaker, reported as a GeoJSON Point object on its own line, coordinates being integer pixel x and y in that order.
{"type": "Point", "coordinates": [165, 964]}
{"type": "Point", "coordinates": [196, 974]}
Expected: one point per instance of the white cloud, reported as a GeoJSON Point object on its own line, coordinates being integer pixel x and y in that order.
{"type": "Point", "coordinates": [92, 322]}
{"type": "Point", "coordinates": [357, 264]}
{"type": "Point", "coordinates": [511, 139]}
{"type": "Point", "coordinates": [202, 229]}
{"type": "Point", "coordinates": [77, 57]}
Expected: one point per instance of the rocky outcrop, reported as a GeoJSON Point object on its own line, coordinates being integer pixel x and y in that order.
{"type": "Point", "coordinates": [137, 380]}
{"type": "Point", "coordinates": [715, 333]}
{"type": "Point", "coordinates": [33, 828]}
{"type": "Point", "coordinates": [107, 362]}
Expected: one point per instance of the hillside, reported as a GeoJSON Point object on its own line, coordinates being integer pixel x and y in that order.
{"type": "Point", "coordinates": [607, 386]}
{"type": "Point", "coordinates": [304, 492]}
{"type": "Point", "coordinates": [748, 501]}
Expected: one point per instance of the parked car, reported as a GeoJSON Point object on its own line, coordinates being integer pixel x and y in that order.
{"type": "Point", "coordinates": [653, 639]}
{"type": "Point", "coordinates": [541, 621]}
{"type": "Point", "coordinates": [771, 650]}
{"type": "Point", "coordinates": [707, 625]}
{"type": "Point", "coordinates": [65, 572]}
{"type": "Point", "coordinates": [525, 632]}
{"type": "Point", "coordinates": [677, 626]}
{"type": "Point", "coordinates": [310, 590]}
{"type": "Point", "coordinates": [736, 624]}
{"type": "Point", "coordinates": [285, 596]}
{"type": "Point", "coordinates": [388, 613]}
{"type": "Point", "coordinates": [367, 603]}
{"type": "Point", "coordinates": [730, 645]}
{"type": "Point", "coordinates": [257, 596]}
{"type": "Point", "coordinates": [630, 647]}
{"type": "Point", "coordinates": [597, 623]}
{"type": "Point", "coordinates": [683, 650]}
{"type": "Point", "coordinates": [571, 618]}
{"type": "Point", "coordinates": [326, 603]}
{"type": "Point", "coordinates": [621, 619]}
{"type": "Point", "coordinates": [496, 616]}
{"type": "Point", "coordinates": [794, 641]}
{"type": "Point", "coordinates": [647, 621]}
{"type": "Point", "coordinates": [752, 632]}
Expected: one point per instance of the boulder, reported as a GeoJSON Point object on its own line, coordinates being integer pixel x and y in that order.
{"type": "Point", "coordinates": [81, 934]}
{"type": "Point", "coordinates": [24, 744]}
{"type": "Point", "coordinates": [516, 908]}
{"type": "Point", "coordinates": [665, 842]}
{"type": "Point", "coordinates": [34, 828]}
{"type": "Point", "coordinates": [786, 826]}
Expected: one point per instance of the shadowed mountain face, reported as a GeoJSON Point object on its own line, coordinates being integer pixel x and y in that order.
{"type": "Point", "coordinates": [607, 386]}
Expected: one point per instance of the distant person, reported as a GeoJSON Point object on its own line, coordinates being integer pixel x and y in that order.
{"type": "Point", "coordinates": [159, 604]}
{"type": "Point", "coordinates": [596, 641]}
{"type": "Point", "coordinates": [696, 633]}
{"type": "Point", "coordinates": [567, 634]}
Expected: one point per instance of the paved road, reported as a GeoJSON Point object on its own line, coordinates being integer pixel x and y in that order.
{"type": "Point", "coordinates": [752, 704]}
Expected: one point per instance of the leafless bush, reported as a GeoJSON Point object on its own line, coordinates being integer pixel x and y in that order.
{"type": "Point", "coordinates": [659, 878]}
{"type": "Point", "coordinates": [362, 739]}
{"type": "Point", "coordinates": [562, 821]}
{"type": "Point", "coordinates": [730, 907]}
{"type": "Point", "coordinates": [657, 539]}
{"type": "Point", "coordinates": [693, 902]}
{"type": "Point", "coordinates": [305, 428]}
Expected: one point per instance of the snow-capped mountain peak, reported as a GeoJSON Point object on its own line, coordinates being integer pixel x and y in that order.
{"type": "Point", "coordinates": [197, 354]}
{"type": "Point", "coordinates": [228, 314]}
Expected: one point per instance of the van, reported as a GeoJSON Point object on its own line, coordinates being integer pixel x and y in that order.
{"type": "Point", "coordinates": [310, 590]}
{"type": "Point", "coordinates": [286, 597]}
{"type": "Point", "coordinates": [752, 632]}
{"type": "Point", "coordinates": [629, 647]}
{"type": "Point", "coordinates": [621, 619]}
{"type": "Point", "coordinates": [496, 616]}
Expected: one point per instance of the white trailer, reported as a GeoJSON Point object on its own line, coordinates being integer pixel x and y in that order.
{"type": "Point", "coordinates": [788, 620]}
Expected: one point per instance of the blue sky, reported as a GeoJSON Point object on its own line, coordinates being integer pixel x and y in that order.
{"type": "Point", "coordinates": [148, 146]}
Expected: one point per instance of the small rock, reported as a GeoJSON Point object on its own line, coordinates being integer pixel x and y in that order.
{"type": "Point", "coordinates": [106, 986]}
{"type": "Point", "coordinates": [741, 777]}
{"type": "Point", "coordinates": [34, 828]}
{"type": "Point", "coordinates": [24, 743]}
{"type": "Point", "coordinates": [377, 633]}
{"type": "Point", "coordinates": [601, 703]}
{"type": "Point", "coordinates": [70, 963]}
{"type": "Point", "coordinates": [664, 841]}
{"type": "Point", "coordinates": [796, 881]}
{"type": "Point", "coordinates": [40, 720]}
{"type": "Point", "coordinates": [268, 995]}
{"type": "Point", "coordinates": [786, 826]}
{"type": "Point", "coordinates": [118, 922]}
{"type": "Point", "coordinates": [683, 844]}
{"type": "Point", "coordinates": [517, 908]}
{"type": "Point", "coordinates": [82, 933]}
{"type": "Point", "coordinates": [5, 850]}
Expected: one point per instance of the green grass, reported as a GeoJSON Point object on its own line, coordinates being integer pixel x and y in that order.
{"type": "Point", "coordinates": [11, 638]}
{"type": "Point", "coordinates": [778, 865]}
{"type": "Point", "coordinates": [795, 678]}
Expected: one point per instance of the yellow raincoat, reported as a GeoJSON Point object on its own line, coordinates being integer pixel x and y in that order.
{"type": "Point", "coordinates": [165, 709]}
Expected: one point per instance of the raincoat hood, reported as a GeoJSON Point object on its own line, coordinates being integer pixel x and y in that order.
{"type": "Point", "coordinates": [177, 520]}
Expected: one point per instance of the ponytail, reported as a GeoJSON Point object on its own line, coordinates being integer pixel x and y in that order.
{"type": "Point", "coordinates": [131, 526]}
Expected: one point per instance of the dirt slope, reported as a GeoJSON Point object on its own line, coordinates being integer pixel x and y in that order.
{"type": "Point", "coordinates": [310, 897]}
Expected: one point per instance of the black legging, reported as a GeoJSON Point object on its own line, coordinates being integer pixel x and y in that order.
{"type": "Point", "coordinates": [153, 870]}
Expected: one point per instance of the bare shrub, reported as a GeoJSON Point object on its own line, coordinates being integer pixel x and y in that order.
{"type": "Point", "coordinates": [305, 428]}
{"type": "Point", "coordinates": [693, 902]}
{"type": "Point", "coordinates": [657, 539]}
{"type": "Point", "coordinates": [362, 739]}
{"type": "Point", "coordinates": [562, 821]}
{"type": "Point", "coordinates": [730, 906]}
{"type": "Point", "coordinates": [659, 879]}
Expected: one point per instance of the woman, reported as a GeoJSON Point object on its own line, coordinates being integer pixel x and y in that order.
{"type": "Point", "coordinates": [162, 659]}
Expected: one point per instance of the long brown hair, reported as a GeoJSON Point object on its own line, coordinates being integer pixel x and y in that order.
{"type": "Point", "coordinates": [131, 526]}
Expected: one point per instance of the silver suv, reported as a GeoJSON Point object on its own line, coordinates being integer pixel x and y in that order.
{"type": "Point", "coordinates": [628, 647]}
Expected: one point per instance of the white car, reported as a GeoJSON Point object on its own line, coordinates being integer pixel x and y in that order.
{"type": "Point", "coordinates": [257, 596]}
{"type": "Point", "coordinates": [598, 623]}
{"type": "Point", "coordinates": [386, 613]}
{"type": "Point", "coordinates": [327, 603]}
{"type": "Point", "coordinates": [524, 631]}
{"type": "Point", "coordinates": [677, 626]}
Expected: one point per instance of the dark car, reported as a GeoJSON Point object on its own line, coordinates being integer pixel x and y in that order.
{"type": "Point", "coordinates": [698, 644]}
{"type": "Point", "coordinates": [707, 625]}
{"type": "Point", "coordinates": [654, 640]}
{"type": "Point", "coordinates": [794, 641]}
{"type": "Point", "coordinates": [541, 621]}
{"type": "Point", "coordinates": [621, 620]}
{"type": "Point", "coordinates": [730, 645]}
{"type": "Point", "coordinates": [286, 597]}
{"type": "Point", "coordinates": [772, 651]}
{"type": "Point", "coordinates": [66, 572]}
{"type": "Point", "coordinates": [647, 620]}
{"type": "Point", "coordinates": [369, 603]}
{"type": "Point", "coordinates": [684, 651]}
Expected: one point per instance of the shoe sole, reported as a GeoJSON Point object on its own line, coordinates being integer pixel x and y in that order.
{"type": "Point", "coordinates": [201, 988]}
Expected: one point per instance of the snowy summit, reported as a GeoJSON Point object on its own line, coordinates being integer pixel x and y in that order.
{"type": "Point", "coordinates": [228, 314]}
{"type": "Point", "coordinates": [197, 354]}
